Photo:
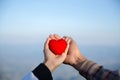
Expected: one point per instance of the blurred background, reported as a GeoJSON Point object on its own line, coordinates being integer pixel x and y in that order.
{"type": "Point", "coordinates": [25, 25]}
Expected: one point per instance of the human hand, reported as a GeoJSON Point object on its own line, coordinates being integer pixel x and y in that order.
{"type": "Point", "coordinates": [74, 55]}
{"type": "Point", "coordinates": [51, 60]}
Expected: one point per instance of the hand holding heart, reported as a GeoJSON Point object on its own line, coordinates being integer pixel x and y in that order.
{"type": "Point", "coordinates": [55, 54]}
{"type": "Point", "coordinates": [58, 50]}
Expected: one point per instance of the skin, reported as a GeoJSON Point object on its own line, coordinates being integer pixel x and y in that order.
{"type": "Point", "coordinates": [72, 55]}
{"type": "Point", "coordinates": [51, 60]}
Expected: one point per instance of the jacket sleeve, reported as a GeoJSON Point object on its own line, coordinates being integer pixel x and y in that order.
{"type": "Point", "coordinates": [93, 71]}
{"type": "Point", "coordinates": [41, 72]}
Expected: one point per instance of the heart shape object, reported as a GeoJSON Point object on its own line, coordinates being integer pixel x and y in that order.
{"type": "Point", "coordinates": [57, 46]}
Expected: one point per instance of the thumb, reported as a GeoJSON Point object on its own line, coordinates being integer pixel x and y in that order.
{"type": "Point", "coordinates": [67, 48]}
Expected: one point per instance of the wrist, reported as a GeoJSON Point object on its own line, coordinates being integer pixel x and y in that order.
{"type": "Point", "coordinates": [78, 61]}
{"type": "Point", "coordinates": [50, 65]}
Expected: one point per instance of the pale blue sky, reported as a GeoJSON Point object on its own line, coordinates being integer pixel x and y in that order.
{"type": "Point", "coordinates": [88, 21]}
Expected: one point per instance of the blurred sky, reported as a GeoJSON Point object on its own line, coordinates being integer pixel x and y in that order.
{"type": "Point", "coordinates": [88, 21]}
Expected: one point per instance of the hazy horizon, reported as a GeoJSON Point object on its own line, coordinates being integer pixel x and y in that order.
{"type": "Point", "coordinates": [18, 60]}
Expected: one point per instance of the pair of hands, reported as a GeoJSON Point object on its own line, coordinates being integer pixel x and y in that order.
{"type": "Point", "coordinates": [71, 56]}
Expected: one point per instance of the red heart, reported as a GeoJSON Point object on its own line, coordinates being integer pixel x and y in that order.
{"type": "Point", "coordinates": [57, 46]}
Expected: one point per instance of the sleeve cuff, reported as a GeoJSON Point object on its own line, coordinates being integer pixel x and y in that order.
{"type": "Point", "coordinates": [42, 72]}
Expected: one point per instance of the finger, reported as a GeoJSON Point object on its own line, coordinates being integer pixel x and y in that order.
{"type": "Point", "coordinates": [68, 41]}
{"type": "Point", "coordinates": [66, 50]}
{"type": "Point", "coordinates": [51, 36]}
{"type": "Point", "coordinates": [66, 38]}
{"type": "Point", "coordinates": [68, 44]}
{"type": "Point", "coordinates": [46, 43]}
{"type": "Point", "coordinates": [57, 36]}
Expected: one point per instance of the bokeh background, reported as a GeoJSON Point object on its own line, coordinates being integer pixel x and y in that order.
{"type": "Point", "coordinates": [25, 25]}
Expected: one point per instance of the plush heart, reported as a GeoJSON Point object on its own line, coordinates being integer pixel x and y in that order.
{"type": "Point", "coordinates": [57, 46]}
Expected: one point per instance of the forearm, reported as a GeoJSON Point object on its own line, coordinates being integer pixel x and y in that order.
{"type": "Point", "coordinates": [93, 71]}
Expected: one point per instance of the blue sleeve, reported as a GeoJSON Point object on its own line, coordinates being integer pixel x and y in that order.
{"type": "Point", "coordinates": [30, 76]}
